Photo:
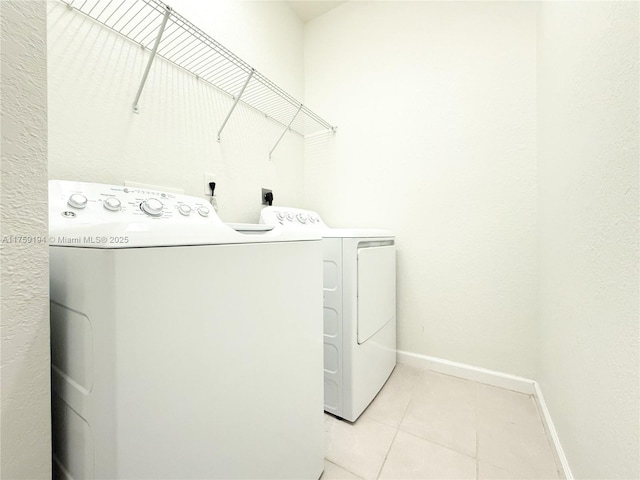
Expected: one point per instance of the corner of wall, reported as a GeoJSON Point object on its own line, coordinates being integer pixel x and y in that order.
{"type": "Point", "coordinates": [25, 398]}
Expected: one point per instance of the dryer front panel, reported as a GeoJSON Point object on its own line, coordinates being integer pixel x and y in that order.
{"type": "Point", "coordinates": [376, 289]}
{"type": "Point", "coordinates": [333, 325]}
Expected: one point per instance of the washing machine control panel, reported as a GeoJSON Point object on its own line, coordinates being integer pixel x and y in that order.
{"type": "Point", "coordinates": [94, 215]}
{"type": "Point", "coordinates": [113, 216]}
{"type": "Point", "coordinates": [291, 217]}
{"type": "Point", "coordinates": [100, 203]}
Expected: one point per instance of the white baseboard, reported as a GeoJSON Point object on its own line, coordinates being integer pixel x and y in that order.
{"type": "Point", "coordinates": [496, 379]}
{"type": "Point", "coordinates": [561, 458]}
{"type": "Point", "coordinates": [469, 372]}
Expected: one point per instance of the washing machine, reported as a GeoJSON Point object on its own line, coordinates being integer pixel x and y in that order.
{"type": "Point", "coordinates": [181, 348]}
{"type": "Point", "coordinates": [359, 290]}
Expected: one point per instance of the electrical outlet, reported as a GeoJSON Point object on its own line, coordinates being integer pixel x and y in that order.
{"type": "Point", "coordinates": [263, 199]}
{"type": "Point", "coordinates": [208, 177]}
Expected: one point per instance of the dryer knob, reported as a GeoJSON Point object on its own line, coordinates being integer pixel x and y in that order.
{"type": "Point", "coordinates": [152, 206]}
{"type": "Point", "coordinates": [280, 215]}
{"type": "Point", "coordinates": [302, 218]}
{"type": "Point", "coordinates": [112, 204]}
{"type": "Point", "coordinates": [290, 217]}
{"type": "Point", "coordinates": [77, 200]}
{"type": "Point", "coordinates": [184, 210]}
{"type": "Point", "coordinates": [203, 211]}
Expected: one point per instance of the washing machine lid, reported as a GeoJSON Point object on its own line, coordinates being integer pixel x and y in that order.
{"type": "Point", "coordinates": [93, 215]}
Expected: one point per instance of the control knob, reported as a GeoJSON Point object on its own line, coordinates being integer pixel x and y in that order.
{"type": "Point", "coordinates": [77, 200]}
{"type": "Point", "coordinates": [302, 218]}
{"type": "Point", "coordinates": [112, 204]}
{"type": "Point", "coordinates": [290, 217]}
{"type": "Point", "coordinates": [203, 211]}
{"type": "Point", "coordinates": [184, 210]}
{"type": "Point", "coordinates": [152, 206]}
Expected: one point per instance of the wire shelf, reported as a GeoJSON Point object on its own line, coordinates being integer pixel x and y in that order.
{"type": "Point", "coordinates": [157, 27]}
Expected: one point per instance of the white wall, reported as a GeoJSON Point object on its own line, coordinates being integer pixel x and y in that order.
{"type": "Point", "coordinates": [94, 135]}
{"type": "Point", "coordinates": [435, 104]}
{"type": "Point", "coordinates": [588, 232]}
{"type": "Point", "coordinates": [25, 437]}
{"type": "Point", "coordinates": [438, 110]}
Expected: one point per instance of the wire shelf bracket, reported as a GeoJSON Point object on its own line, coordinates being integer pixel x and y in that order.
{"type": "Point", "coordinates": [235, 102]}
{"type": "Point", "coordinates": [154, 51]}
{"type": "Point", "coordinates": [285, 131]}
{"type": "Point", "coordinates": [178, 41]}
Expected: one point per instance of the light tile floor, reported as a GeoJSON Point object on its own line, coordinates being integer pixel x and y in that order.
{"type": "Point", "coordinates": [425, 425]}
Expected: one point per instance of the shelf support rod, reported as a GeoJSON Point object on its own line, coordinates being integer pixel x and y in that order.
{"type": "Point", "coordinates": [235, 102]}
{"type": "Point", "coordinates": [167, 13]}
{"type": "Point", "coordinates": [285, 130]}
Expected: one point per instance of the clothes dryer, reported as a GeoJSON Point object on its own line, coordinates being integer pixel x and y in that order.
{"type": "Point", "coordinates": [359, 308]}
{"type": "Point", "coordinates": [177, 351]}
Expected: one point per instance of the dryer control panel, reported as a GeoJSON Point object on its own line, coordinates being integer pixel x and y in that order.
{"type": "Point", "coordinates": [291, 217]}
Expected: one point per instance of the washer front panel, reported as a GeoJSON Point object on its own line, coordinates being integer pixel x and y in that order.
{"type": "Point", "coordinates": [175, 364]}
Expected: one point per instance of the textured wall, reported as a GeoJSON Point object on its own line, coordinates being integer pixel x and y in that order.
{"type": "Point", "coordinates": [94, 135]}
{"type": "Point", "coordinates": [588, 223]}
{"type": "Point", "coordinates": [435, 104]}
{"type": "Point", "coordinates": [25, 438]}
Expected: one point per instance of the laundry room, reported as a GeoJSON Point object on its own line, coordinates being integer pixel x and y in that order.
{"type": "Point", "coordinates": [483, 154]}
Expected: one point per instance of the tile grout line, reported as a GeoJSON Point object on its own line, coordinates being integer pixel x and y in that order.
{"type": "Point", "coordinates": [399, 429]}
{"type": "Point", "coordinates": [413, 389]}
{"type": "Point", "coordinates": [537, 423]}
{"type": "Point", "coordinates": [343, 468]}
{"type": "Point", "coordinates": [400, 422]}
{"type": "Point", "coordinates": [387, 454]}
{"type": "Point", "coordinates": [421, 375]}
{"type": "Point", "coordinates": [431, 440]}
{"type": "Point", "coordinates": [439, 445]}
